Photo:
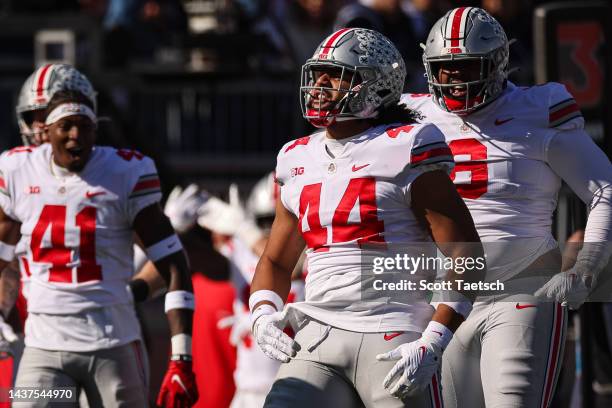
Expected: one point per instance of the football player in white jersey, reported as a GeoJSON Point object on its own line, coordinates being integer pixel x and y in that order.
{"type": "Point", "coordinates": [33, 98]}
{"type": "Point", "coordinates": [77, 206]}
{"type": "Point", "coordinates": [370, 178]}
{"type": "Point", "coordinates": [512, 147]}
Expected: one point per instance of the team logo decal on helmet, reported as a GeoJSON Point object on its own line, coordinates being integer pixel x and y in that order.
{"type": "Point", "coordinates": [368, 61]}
{"type": "Point", "coordinates": [467, 34]}
{"type": "Point", "coordinates": [40, 87]}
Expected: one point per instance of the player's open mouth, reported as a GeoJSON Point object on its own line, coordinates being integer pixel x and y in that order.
{"type": "Point", "coordinates": [458, 91]}
{"type": "Point", "coordinates": [76, 151]}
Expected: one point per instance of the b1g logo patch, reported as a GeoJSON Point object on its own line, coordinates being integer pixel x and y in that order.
{"type": "Point", "coordinates": [297, 171]}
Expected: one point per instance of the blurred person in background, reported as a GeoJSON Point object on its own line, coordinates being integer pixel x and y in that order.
{"type": "Point", "coordinates": [137, 29]}
{"type": "Point", "coordinates": [388, 18]}
{"type": "Point", "coordinates": [255, 372]}
{"type": "Point", "coordinates": [515, 16]}
{"type": "Point", "coordinates": [296, 26]}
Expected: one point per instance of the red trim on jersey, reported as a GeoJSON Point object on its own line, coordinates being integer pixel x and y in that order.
{"type": "Point", "coordinates": [551, 369]}
{"type": "Point", "coordinates": [436, 392]}
{"type": "Point", "coordinates": [142, 185]}
{"type": "Point", "coordinates": [2, 183]}
{"type": "Point", "coordinates": [428, 154]}
{"type": "Point", "coordinates": [26, 266]}
{"type": "Point", "coordinates": [330, 43]}
{"type": "Point", "coordinates": [41, 80]}
{"type": "Point", "coordinates": [301, 141]}
{"type": "Point", "coordinates": [456, 26]}
{"type": "Point", "coordinates": [554, 116]}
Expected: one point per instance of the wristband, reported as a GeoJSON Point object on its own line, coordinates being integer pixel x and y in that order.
{"type": "Point", "coordinates": [266, 295]}
{"type": "Point", "coordinates": [163, 248]}
{"type": "Point", "coordinates": [179, 299]}
{"type": "Point", "coordinates": [181, 344]}
{"type": "Point", "coordinates": [464, 308]}
{"type": "Point", "coordinates": [7, 252]}
{"type": "Point", "coordinates": [437, 333]}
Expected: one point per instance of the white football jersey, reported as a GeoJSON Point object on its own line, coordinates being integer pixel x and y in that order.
{"type": "Point", "coordinates": [351, 204]}
{"type": "Point", "coordinates": [501, 170]}
{"type": "Point", "coordinates": [77, 230]}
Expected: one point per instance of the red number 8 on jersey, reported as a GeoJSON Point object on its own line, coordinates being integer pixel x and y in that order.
{"type": "Point", "coordinates": [476, 166]}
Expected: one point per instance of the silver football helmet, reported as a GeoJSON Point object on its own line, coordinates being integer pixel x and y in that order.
{"type": "Point", "coordinates": [262, 200]}
{"type": "Point", "coordinates": [40, 87]}
{"type": "Point", "coordinates": [467, 34]}
{"type": "Point", "coordinates": [369, 62]}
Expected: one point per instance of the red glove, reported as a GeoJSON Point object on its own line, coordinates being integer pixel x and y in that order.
{"type": "Point", "coordinates": [178, 388]}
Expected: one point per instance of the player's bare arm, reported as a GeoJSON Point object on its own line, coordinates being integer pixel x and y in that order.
{"type": "Point", "coordinates": [271, 285]}
{"type": "Point", "coordinates": [164, 249]}
{"type": "Point", "coordinates": [279, 256]}
{"type": "Point", "coordinates": [152, 226]}
{"type": "Point", "coordinates": [9, 236]}
{"type": "Point", "coordinates": [441, 210]}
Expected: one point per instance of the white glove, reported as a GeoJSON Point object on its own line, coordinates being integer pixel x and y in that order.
{"type": "Point", "coordinates": [183, 205]}
{"type": "Point", "coordinates": [570, 288]}
{"type": "Point", "coordinates": [240, 322]}
{"type": "Point", "coordinates": [229, 218]}
{"type": "Point", "coordinates": [418, 361]}
{"type": "Point", "coordinates": [269, 335]}
{"type": "Point", "coordinates": [7, 335]}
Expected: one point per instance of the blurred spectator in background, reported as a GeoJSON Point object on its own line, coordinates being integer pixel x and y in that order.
{"type": "Point", "coordinates": [296, 26]}
{"type": "Point", "coordinates": [515, 16]}
{"type": "Point", "coordinates": [423, 14]}
{"type": "Point", "coordinates": [139, 28]}
{"type": "Point", "coordinates": [389, 18]}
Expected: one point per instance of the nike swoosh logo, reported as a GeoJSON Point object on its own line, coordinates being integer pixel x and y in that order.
{"type": "Point", "coordinates": [519, 306]}
{"type": "Point", "coordinates": [499, 122]}
{"type": "Point", "coordinates": [175, 378]}
{"type": "Point", "coordinates": [435, 331]}
{"type": "Point", "coordinates": [96, 193]}
{"type": "Point", "coordinates": [357, 168]}
{"type": "Point", "coordinates": [391, 336]}
{"type": "Point", "coordinates": [171, 245]}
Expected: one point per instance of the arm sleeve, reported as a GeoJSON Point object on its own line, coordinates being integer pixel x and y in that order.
{"type": "Point", "coordinates": [6, 201]}
{"type": "Point", "coordinates": [574, 156]}
{"type": "Point", "coordinates": [144, 188]}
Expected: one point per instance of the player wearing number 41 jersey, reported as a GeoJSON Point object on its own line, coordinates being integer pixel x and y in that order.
{"type": "Point", "coordinates": [360, 185]}
{"type": "Point", "coordinates": [78, 206]}
{"type": "Point", "coordinates": [512, 147]}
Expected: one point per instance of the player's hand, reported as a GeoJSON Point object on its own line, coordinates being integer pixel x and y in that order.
{"type": "Point", "coordinates": [417, 363]}
{"type": "Point", "coordinates": [183, 205]}
{"type": "Point", "coordinates": [221, 217]}
{"type": "Point", "coordinates": [269, 335]}
{"type": "Point", "coordinates": [178, 388]}
{"type": "Point", "coordinates": [7, 336]}
{"type": "Point", "coordinates": [240, 322]}
{"type": "Point", "coordinates": [570, 288]}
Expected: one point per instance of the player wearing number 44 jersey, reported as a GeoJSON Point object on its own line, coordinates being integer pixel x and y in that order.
{"type": "Point", "coordinates": [512, 147]}
{"type": "Point", "coordinates": [360, 184]}
{"type": "Point", "coordinates": [78, 205]}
